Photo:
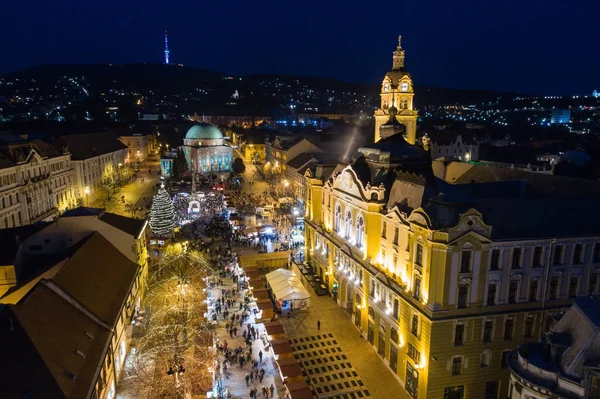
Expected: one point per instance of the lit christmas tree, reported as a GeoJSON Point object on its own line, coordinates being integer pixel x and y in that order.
{"type": "Point", "coordinates": [162, 214]}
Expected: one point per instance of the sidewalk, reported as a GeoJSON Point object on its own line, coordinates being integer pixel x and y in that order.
{"type": "Point", "coordinates": [235, 381]}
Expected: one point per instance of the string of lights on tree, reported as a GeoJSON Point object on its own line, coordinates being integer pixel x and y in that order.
{"type": "Point", "coordinates": [162, 214]}
{"type": "Point", "coordinates": [174, 356]}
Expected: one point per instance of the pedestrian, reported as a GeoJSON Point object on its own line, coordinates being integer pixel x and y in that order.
{"type": "Point", "coordinates": [318, 324]}
{"type": "Point", "coordinates": [251, 376]}
{"type": "Point", "coordinates": [265, 392]}
{"type": "Point", "coordinates": [272, 389]}
{"type": "Point", "coordinates": [260, 355]}
{"type": "Point", "coordinates": [247, 379]}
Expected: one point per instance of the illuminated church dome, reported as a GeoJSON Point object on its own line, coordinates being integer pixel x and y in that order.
{"type": "Point", "coordinates": [204, 131]}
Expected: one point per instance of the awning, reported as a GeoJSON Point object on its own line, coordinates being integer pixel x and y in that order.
{"type": "Point", "coordinates": [286, 286]}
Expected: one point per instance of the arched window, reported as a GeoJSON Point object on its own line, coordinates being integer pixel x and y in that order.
{"type": "Point", "coordinates": [337, 221]}
{"type": "Point", "coordinates": [348, 226]}
{"type": "Point", "coordinates": [360, 232]}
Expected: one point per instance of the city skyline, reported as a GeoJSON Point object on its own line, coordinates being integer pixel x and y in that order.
{"type": "Point", "coordinates": [536, 48]}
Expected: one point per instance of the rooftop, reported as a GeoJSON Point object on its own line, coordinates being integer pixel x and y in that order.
{"type": "Point", "coordinates": [86, 146]}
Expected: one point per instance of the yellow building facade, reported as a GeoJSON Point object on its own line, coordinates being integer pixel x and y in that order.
{"type": "Point", "coordinates": [442, 306]}
{"type": "Point", "coordinates": [397, 91]}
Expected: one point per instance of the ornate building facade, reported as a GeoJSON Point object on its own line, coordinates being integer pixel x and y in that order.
{"type": "Point", "coordinates": [205, 149]}
{"type": "Point", "coordinates": [443, 283]}
{"type": "Point", "coordinates": [397, 93]}
{"type": "Point", "coordinates": [446, 267]}
{"type": "Point", "coordinates": [35, 182]}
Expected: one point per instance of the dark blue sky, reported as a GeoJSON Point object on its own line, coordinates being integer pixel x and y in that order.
{"type": "Point", "coordinates": [533, 46]}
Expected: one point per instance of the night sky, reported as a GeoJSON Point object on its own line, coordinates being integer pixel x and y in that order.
{"type": "Point", "coordinates": [529, 46]}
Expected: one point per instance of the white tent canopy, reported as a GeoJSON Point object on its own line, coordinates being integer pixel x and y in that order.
{"type": "Point", "coordinates": [286, 286]}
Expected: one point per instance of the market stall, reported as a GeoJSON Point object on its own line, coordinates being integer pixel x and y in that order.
{"type": "Point", "coordinates": [288, 291]}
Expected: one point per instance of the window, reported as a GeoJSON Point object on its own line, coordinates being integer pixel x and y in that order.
{"type": "Point", "coordinates": [491, 390]}
{"type": "Point", "coordinates": [553, 288]}
{"type": "Point", "coordinates": [488, 331]}
{"type": "Point", "coordinates": [360, 232]}
{"type": "Point", "coordinates": [454, 392]}
{"type": "Point", "coordinates": [337, 219]}
{"type": "Point", "coordinates": [465, 262]}
{"type": "Point", "coordinates": [537, 257]}
{"type": "Point", "coordinates": [578, 254]}
{"type": "Point", "coordinates": [463, 292]}
{"type": "Point", "coordinates": [528, 327]}
{"type": "Point", "coordinates": [456, 365]}
{"type": "Point", "coordinates": [396, 308]}
{"type": "Point", "coordinates": [414, 354]}
{"type": "Point", "coordinates": [509, 326]}
{"type": "Point", "coordinates": [491, 295]}
{"type": "Point", "coordinates": [548, 322]}
{"type": "Point", "coordinates": [372, 292]}
{"type": "Point", "coordinates": [596, 255]}
{"type": "Point", "coordinates": [417, 290]}
{"type": "Point", "coordinates": [384, 230]}
{"type": "Point", "coordinates": [396, 234]}
{"type": "Point", "coordinates": [533, 290]}
{"type": "Point", "coordinates": [415, 325]}
{"type": "Point", "coordinates": [513, 291]}
{"type": "Point", "coordinates": [394, 335]}
{"type": "Point", "coordinates": [495, 263]}
{"type": "Point", "coordinates": [459, 335]}
{"type": "Point", "coordinates": [558, 252]}
{"type": "Point", "coordinates": [592, 283]}
{"type": "Point", "coordinates": [573, 283]}
{"type": "Point", "coordinates": [484, 359]}
{"type": "Point", "coordinates": [419, 255]}
{"type": "Point", "coordinates": [504, 359]}
{"type": "Point", "coordinates": [70, 375]}
{"type": "Point", "coordinates": [516, 258]}
{"type": "Point", "coordinates": [412, 380]}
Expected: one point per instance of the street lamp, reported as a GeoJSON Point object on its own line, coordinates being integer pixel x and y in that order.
{"type": "Point", "coordinates": [86, 190]}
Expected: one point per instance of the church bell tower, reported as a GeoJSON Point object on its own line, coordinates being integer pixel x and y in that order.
{"type": "Point", "coordinates": [397, 91]}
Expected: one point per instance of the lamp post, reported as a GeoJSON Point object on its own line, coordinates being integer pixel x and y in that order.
{"type": "Point", "coordinates": [86, 190]}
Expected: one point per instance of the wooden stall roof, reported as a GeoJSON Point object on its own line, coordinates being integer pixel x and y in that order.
{"type": "Point", "coordinates": [289, 367]}
{"type": "Point", "coordinates": [273, 327]}
{"type": "Point", "coordinates": [281, 346]}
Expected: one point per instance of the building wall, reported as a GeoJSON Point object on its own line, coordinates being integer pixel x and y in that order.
{"type": "Point", "coordinates": [89, 173]}
{"type": "Point", "coordinates": [8, 278]}
{"type": "Point", "coordinates": [140, 147]}
{"type": "Point", "coordinates": [34, 190]}
{"type": "Point", "coordinates": [456, 149]}
{"type": "Point", "coordinates": [420, 270]}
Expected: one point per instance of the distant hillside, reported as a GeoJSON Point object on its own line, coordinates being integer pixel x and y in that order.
{"type": "Point", "coordinates": [146, 74]}
{"type": "Point", "coordinates": [159, 77]}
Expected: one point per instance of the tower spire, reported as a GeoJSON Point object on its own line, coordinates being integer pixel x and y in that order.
{"type": "Point", "coordinates": [166, 49]}
{"type": "Point", "coordinates": [398, 55]}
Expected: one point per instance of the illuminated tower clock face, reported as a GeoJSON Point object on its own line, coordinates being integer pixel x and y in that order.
{"type": "Point", "coordinates": [404, 86]}
{"type": "Point", "coordinates": [386, 87]}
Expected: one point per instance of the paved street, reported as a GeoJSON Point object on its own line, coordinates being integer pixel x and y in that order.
{"type": "Point", "coordinates": [137, 193]}
{"type": "Point", "coordinates": [360, 355]}
{"type": "Point", "coordinates": [235, 382]}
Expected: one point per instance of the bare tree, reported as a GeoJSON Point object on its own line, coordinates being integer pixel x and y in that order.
{"type": "Point", "coordinates": [175, 354]}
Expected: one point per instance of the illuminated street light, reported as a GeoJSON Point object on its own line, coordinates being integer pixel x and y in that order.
{"type": "Point", "coordinates": [87, 192]}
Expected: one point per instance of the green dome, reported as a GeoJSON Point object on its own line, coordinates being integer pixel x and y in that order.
{"type": "Point", "coordinates": [204, 131]}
